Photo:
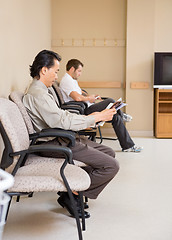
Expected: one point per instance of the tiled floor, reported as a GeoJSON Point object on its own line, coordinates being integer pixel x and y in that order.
{"type": "Point", "coordinates": [136, 205]}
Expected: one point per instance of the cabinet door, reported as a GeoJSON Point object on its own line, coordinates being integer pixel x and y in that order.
{"type": "Point", "coordinates": [164, 126]}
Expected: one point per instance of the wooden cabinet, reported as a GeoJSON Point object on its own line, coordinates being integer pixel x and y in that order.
{"type": "Point", "coordinates": [163, 113]}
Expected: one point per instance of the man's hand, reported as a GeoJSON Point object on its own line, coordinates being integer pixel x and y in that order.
{"type": "Point", "coordinates": [91, 98]}
{"type": "Point", "coordinates": [105, 115]}
{"type": "Point", "coordinates": [84, 97]}
{"type": "Point", "coordinates": [98, 97]}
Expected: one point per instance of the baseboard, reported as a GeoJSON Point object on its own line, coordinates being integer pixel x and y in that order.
{"type": "Point", "coordinates": [107, 132]}
{"type": "Point", "coordinates": [141, 133]}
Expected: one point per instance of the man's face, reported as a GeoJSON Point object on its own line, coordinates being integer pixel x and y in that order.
{"type": "Point", "coordinates": [77, 72]}
{"type": "Point", "coordinates": [50, 74]}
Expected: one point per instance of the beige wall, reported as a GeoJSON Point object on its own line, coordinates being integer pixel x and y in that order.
{"type": "Point", "coordinates": [148, 30]}
{"type": "Point", "coordinates": [25, 30]}
{"type": "Point", "coordinates": [140, 48]}
{"type": "Point", "coordinates": [92, 20]}
{"type": "Point", "coordinates": [144, 24]}
{"type": "Point", "coordinates": [162, 31]}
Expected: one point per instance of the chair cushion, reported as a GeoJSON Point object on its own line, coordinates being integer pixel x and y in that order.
{"type": "Point", "coordinates": [36, 159]}
{"type": "Point", "coordinates": [45, 176]}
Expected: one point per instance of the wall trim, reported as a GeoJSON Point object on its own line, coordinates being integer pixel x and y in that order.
{"type": "Point", "coordinates": [108, 132]}
{"type": "Point", "coordinates": [91, 84]}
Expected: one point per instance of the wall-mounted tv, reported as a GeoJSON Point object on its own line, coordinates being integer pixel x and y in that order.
{"type": "Point", "coordinates": [163, 70]}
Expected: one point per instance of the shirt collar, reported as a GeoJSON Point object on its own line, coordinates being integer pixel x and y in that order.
{"type": "Point", "coordinates": [69, 76]}
{"type": "Point", "coordinates": [40, 84]}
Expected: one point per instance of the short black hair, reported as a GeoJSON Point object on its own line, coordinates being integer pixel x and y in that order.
{"type": "Point", "coordinates": [45, 58]}
{"type": "Point", "coordinates": [73, 63]}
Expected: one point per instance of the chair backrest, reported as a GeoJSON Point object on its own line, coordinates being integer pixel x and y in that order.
{"type": "Point", "coordinates": [12, 126]}
{"type": "Point", "coordinates": [63, 104]}
{"type": "Point", "coordinates": [58, 92]}
{"type": "Point", "coordinates": [17, 97]}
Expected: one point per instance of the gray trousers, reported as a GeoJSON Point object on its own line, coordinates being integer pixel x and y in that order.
{"type": "Point", "coordinates": [102, 165]}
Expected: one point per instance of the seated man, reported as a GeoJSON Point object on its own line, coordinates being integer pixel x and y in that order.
{"type": "Point", "coordinates": [45, 113]}
{"type": "Point", "coordinates": [72, 91]}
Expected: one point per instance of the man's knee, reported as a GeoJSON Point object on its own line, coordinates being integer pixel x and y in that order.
{"type": "Point", "coordinates": [109, 100]}
{"type": "Point", "coordinates": [112, 168]}
{"type": "Point", "coordinates": [116, 118]}
{"type": "Point", "coordinates": [115, 167]}
{"type": "Point", "coordinates": [111, 153]}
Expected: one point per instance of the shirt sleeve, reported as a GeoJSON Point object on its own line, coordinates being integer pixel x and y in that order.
{"type": "Point", "coordinates": [69, 85]}
{"type": "Point", "coordinates": [45, 109]}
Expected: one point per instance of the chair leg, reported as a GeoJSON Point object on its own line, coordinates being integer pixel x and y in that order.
{"type": "Point", "coordinates": [106, 138]}
{"type": "Point", "coordinates": [30, 194]}
{"type": "Point", "coordinates": [76, 214]}
{"type": "Point", "coordinates": [18, 198]}
{"type": "Point", "coordinates": [72, 200]}
{"type": "Point", "coordinates": [8, 208]}
{"type": "Point", "coordinates": [100, 133]}
{"type": "Point", "coordinates": [19, 194]}
{"type": "Point", "coordinates": [82, 209]}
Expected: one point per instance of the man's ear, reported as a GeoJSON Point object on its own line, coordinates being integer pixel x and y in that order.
{"type": "Point", "coordinates": [44, 70]}
{"type": "Point", "coordinates": [72, 69]}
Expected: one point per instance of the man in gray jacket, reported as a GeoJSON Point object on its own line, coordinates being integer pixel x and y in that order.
{"type": "Point", "coordinates": [46, 113]}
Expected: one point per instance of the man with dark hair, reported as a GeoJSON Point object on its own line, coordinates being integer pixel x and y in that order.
{"type": "Point", "coordinates": [73, 63]}
{"type": "Point", "coordinates": [43, 59]}
{"type": "Point", "coordinates": [46, 113]}
{"type": "Point", "coordinates": [71, 91]}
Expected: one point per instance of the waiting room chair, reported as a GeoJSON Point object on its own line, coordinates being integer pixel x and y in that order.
{"type": "Point", "coordinates": [17, 97]}
{"type": "Point", "coordinates": [31, 172]}
{"type": "Point", "coordinates": [100, 133]}
{"type": "Point", "coordinates": [79, 108]}
{"type": "Point", "coordinates": [65, 105]}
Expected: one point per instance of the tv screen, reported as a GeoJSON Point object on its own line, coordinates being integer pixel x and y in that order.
{"type": "Point", "coordinates": [163, 70]}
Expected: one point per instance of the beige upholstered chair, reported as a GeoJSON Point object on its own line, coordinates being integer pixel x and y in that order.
{"type": "Point", "coordinates": [17, 97]}
{"type": "Point", "coordinates": [33, 173]}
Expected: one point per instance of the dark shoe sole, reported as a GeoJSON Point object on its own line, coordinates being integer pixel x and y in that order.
{"type": "Point", "coordinates": [85, 203]}
{"type": "Point", "coordinates": [70, 210]}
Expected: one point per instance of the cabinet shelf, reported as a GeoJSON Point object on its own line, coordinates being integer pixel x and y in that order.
{"type": "Point", "coordinates": [165, 114]}
{"type": "Point", "coordinates": [165, 107]}
{"type": "Point", "coordinates": [165, 95]}
{"type": "Point", "coordinates": [165, 101]}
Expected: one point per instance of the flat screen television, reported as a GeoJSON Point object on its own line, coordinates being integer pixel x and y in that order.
{"type": "Point", "coordinates": [163, 70]}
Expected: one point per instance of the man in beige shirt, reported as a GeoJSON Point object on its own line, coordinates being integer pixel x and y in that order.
{"type": "Point", "coordinates": [45, 113]}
